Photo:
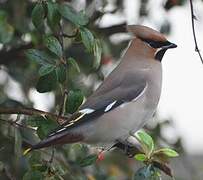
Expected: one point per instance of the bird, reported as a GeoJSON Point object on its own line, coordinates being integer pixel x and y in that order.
{"type": "Point", "coordinates": [125, 100]}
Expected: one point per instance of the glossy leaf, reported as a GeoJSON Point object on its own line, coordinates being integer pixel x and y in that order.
{"type": "Point", "coordinates": [87, 161]}
{"type": "Point", "coordinates": [163, 167]}
{"type": "Point", "coordinates": [146, 141]}
{"type": "Point", "coordinates": [87, 39]}
{"type": "Point", "coordinates": [44, 125]}
{"type": "Point", "coordinates": [72, 62]}
{"type": "Point", "coordinates": [46, 69]}
{"type": "Point", "coordinates": [74, 100]}
{"type": "Point", "coordinates": [147, 173]}
{"type": "Point", "coordinates": [140, 157]}
{"type": "Point", "coordinates": [53, 15]}
{"type": "Point", "coordinates": [160, 157]}
{"type": "Point", "coordinates": [40, 57]}
{"type": "Point", "coordinates": [168, 152]}
{"type": "Point", "coordinates": [47, 83]}
{"type": "Point", "coordinates": [97, 53]}
{"type": "Point", "coordinates": [38, 15]}
{"type": "Point", "coordinates": [61, 73]}
{"type": "Point", "coordinates": [79, 19]}
{"type": "Point", "coordinates": [53, 45]}
{"type": "Point", "coordinates": [6, 30]}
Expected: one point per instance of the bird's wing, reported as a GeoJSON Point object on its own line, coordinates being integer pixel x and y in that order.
{"type": "Point", "coordinates": [105, 102]}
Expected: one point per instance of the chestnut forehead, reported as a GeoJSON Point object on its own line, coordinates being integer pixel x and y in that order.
{"type": "Point", "coordinates": [146, 33]}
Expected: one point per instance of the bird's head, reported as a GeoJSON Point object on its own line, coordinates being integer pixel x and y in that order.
{"type": "Point", "coordinates": [153, 39]}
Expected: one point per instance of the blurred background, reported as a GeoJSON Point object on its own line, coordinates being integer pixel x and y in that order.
{"type": "Point", "coordinates": [178, 122]}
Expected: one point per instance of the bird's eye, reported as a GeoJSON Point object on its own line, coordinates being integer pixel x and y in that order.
{"type": "Point", "coordinates": [152, 44]}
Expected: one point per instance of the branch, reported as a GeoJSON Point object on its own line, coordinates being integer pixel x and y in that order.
{"type": "Point", "coordinates": [14, 123]}
{"type": "Point", "coordinates": [15, 54]}
{"type": "Point", "coordinates": [193, 30]}
{"type": "Point", "coordinates": [32, 111]}
{"type": "Point", "coordinates": [7, 172]}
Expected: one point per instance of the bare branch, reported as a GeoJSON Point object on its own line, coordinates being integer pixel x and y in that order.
{"type": "Point", "coordinates": [30, 112]}
{"type": "Point", "coordinates": [7, 172]}
{"type": "Point", "coordinates": [193, 17]}
{"type": "Point", "coordinates": [14, 123]}
{"type": "Point", "coordinates": [62, 105]}
{"type": "Point", "coordinates": [15, 54]}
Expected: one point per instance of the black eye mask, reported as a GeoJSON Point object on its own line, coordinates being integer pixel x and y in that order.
{"type": "Point", "coordinates": [162, 45]}
{"type": "Point", "coordinates": [157, 44]}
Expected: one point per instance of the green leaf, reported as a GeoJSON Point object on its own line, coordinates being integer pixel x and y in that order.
{"type": "Point", "coordinates": [3, 16]}
{"type": "Point", "coordinates": [147, 173]}
{"type": "Point", "coordinates": [97, 53]}
{"type": "Point", "coordinates": [38, 15]}
{"type": "Point", "coordinates": [39, 167]}
{"type": "Point", "coordinates": [35, 156]}
{"type": "Point", "coordinates": [79, 19]}
{"type": "Point", "coordinates": [72, 62]}
{"type": "Point", "coordinates": [87, 39]}
{"type": "Point", "coordinates": [140, 157]}
{"type": "Point", "coordinates": [6, 33]}
{"type": "Point", "coordinates": [168, 152]}
{"type": "Point", "coordinates": [33, 175]}
{"type": "Point", "coordinates": [87, 161]}
{"type": "Point", "coordinates": [46, 69]}
{"type": "Point", "coordinates": [53, 15]}
{"type": "Point", "coordinates": [6, 30]}
{"type": "Point", "coordinates": [74, 100]}
{"type": "Point", "coordinates": [40, 57]}
{"type": "Point", "coordinates": [53, 45]}
{"type": "Point", "coordinates": [44, 125]}
{"type": "Point", "coordinates": [47, 83]}
{"type": "Point", "coordinates": [61, 73]}
{"type": "Point", "coordinates": [146, 141]}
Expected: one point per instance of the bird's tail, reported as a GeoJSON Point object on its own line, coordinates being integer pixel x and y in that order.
{"type": "Point", "coordinates": [55, 140]}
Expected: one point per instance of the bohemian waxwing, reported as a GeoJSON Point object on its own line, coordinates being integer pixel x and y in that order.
{"type": "Point", "coordinates": [126, 99]}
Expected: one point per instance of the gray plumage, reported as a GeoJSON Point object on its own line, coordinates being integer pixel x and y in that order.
{"type": "Point", "coordinates": [126, 99]}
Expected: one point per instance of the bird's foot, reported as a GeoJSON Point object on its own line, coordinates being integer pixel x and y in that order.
{"type": "Point", "coordinates": [129, 149]}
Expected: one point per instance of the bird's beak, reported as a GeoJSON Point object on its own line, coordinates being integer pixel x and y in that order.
{"type": "Point", "coordinates": [169, 45]}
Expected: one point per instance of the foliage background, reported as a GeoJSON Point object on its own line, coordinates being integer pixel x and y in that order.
{"type": "Point", "coordinates": [79, 75]}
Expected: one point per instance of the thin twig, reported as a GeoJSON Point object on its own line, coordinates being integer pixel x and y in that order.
{"type": "Point", "coordinates": [62, 105]}
{"type": "Point", "coordinates": [65, 91]}
{"type": "Point", "coordinates": [57, 158]}
{"type": "Point", "coordinates": [193, 30]}
{"type": "Point", "coordinates": [52, 156]}
{"type": "Point", "coordinates": [7, 172]}
{"type": "Point", "coordinates": [61, 39]}
{"type": "Point", "coordinates": [14, 123]}
{"type": "Point", "coordinates": [31, 112]}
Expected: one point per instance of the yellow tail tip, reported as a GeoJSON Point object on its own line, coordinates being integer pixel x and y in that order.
{"type": "Point", "coordinates": [27, 151]}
